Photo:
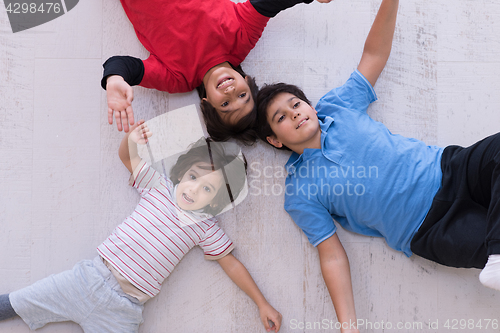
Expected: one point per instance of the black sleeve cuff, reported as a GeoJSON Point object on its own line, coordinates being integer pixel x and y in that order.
{"type": "Point", "coordinates": [271, 8]}
{"type": "Point", "coordinates": [130, 68]}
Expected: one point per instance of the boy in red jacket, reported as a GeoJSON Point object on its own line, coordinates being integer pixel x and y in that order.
{"type": "Point", "coordinates": [194, 43]}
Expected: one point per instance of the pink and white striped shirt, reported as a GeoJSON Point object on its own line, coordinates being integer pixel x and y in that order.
{"type": "Point", "coordinates": [147, 246]}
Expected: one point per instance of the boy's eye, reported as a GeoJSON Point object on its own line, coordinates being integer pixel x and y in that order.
{"type": "Point", "coordinates": [193, 177]}
{"type": "Point", "coordinates": [224, 104]}
{"type": "Point", "coordinates": [281, 118]}
{"type": "Point", "coordinates": [206, 188]}
{"type": "Point", "coordinates": [296, 105]}
{"type": "Point", "coordinates": [242, 95]}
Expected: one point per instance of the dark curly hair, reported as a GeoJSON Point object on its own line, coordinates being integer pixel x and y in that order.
{"type": "Point", "coordinates": [243, 130]}
{"type": "Point", "coordinates": [222, 156]}
{"type": "Point", "coordinates": [265, 97]}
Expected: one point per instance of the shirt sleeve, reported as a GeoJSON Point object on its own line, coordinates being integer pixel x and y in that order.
{"type": "Point", "coordinates": [252, 22]}
{"type": "Point", "coordinates": [160, 77]}
{"type": "Point", "coordinates": [356, 94]}
{"type": "Point", "coordinates": [216, 244]}
{"type": "Point", "coordinates": [130, 68]}
{"type": "Point", "coordinates": [311, 216]}
{"type": "Point", "coordinates": [271, 8]}
{"type": "Point", "coordinates": [145, 178]}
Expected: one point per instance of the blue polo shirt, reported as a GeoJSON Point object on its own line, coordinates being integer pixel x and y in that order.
{"type": "Point", "coordinates": [369, 180]}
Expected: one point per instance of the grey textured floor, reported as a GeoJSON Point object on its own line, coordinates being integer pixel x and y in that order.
{"type": "Point", "coordinates": [63, 188]}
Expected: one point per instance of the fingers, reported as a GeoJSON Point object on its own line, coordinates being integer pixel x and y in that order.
{"type": "Point", "coordinates": [267, 324]}
{"type": "Point", "coordinates": [130, 114]}
{"type": "Point", "coordinates": [146, 133]}
{"type": "Point", "coordinates": [277, 322]}
{"type": "Point", "coordinates": [133, 127]}
{"type": "Point", "coordinates": [120, 96]}
{"type": "Point", "coordinates": [118, 120]}
{"type": "Point", "coordinates": [142, 132]}
{"type": "Point", "coordinates": [110, 116]}
{"type": "Point", "coordinates": [272, 324]}
{"type": "Point", "coordinates": [124, 120]}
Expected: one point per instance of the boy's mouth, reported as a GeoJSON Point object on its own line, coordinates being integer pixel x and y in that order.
{"type": "Point", "coordinates": [224, 82]}
{"type": "Point", "coordinates": [302, 122]}
{"type": "Point", "coordinates": [187, 198]}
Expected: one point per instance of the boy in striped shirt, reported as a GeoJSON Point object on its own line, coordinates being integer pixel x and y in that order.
{"type": "Point", "coordinates": [173, 215]}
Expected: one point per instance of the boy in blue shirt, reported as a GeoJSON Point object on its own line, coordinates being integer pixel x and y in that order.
{"type": "Point", "coordinates": [441, 204]}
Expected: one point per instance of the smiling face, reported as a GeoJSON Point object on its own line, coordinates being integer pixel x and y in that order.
{"type": "Point", "coordinates": [198, 186]}
{"type": "Point", "coordinates": [294, 123]}
{"type": "Point", "coordinates": [228, 92]}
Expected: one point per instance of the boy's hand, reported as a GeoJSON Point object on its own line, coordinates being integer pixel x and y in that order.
{"type": "Point", "coordinates": [120, 96]}
{"type": "Point", "coordinates": [139, 133]}
{"type": "Point", "coordinates": [268, 313]}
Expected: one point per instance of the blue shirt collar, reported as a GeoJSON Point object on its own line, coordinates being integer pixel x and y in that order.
{"type": "Point", "coordinates": [295, 159]}
{"type": "Point", "coordinates": [325, 123]}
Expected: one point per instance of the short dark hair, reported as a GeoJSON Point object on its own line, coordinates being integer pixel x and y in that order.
{"type": "Point", "coordinates": [265, 97]}
{"type": "Point", "coordinates": [243, 130]}
{"type": "Point", "coordinates": [219, 156]}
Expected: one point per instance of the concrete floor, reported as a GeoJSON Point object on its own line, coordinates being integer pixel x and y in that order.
{"type": "Point", "coordinates": [63, 188]}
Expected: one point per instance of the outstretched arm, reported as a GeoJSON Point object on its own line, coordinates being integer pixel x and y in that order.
{"type": "Point", "coordinates": [337, 275]}
{"type": "Point", "coordinates": [120, 73]}
{"type": "Point", "coordinates": [139, 134]}
{"type": "Point", "coordinates": [239, 274]}
{"type": "Point", "coordinates": [379, 41]}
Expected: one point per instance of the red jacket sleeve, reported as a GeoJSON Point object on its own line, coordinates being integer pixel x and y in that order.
{"type": "Point", "coordinates": [251, 20]}
{"type": "Point", "coordinates": [159, 77]}
{"type": "Point", "coordinates": [271, 8]}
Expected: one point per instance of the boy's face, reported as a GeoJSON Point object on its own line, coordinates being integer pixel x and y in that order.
{"type": "Point", "coordinates": [228, 92]}
{"type": "Point", "coordinates": [294, 123]}
{"type": "Point", "coordinates": [198, 187]}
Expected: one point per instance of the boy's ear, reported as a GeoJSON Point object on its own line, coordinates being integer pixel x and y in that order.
{"type": "Point", "coordinates": [274, 141]}
{"type": "Point", "coordinates": [205, 99]}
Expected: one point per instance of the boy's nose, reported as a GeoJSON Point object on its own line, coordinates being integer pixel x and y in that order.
{"type": "Point", "coordinates": [229, 89]}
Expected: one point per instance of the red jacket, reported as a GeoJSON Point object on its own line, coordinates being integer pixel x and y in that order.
{"type": "Point", "coordinates": [186, 38]}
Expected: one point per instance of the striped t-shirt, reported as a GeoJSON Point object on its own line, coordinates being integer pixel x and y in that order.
{"type": "Point", "coordinates": [147, 246]}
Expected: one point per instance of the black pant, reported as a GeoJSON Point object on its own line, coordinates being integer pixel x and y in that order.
{"type": "Point", "coordinates": [463, 225]}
